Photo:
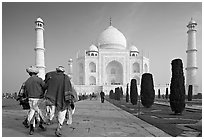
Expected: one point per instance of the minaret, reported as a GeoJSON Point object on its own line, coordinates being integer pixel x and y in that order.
{"type": "Point", "coordinates": [191, 68]}
{"type": "Point", "coordinates": [39, 49]}
{"type": "Point", "coordinates": [70, 70]}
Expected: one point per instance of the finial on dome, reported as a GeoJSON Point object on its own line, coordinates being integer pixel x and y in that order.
{"type": "Point", "coordinates": [110, 22]}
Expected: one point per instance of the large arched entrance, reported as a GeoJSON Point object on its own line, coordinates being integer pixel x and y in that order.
{"type": "Point", "coordinates": [114, 73]}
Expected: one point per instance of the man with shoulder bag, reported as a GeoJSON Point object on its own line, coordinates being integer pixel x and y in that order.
{"type": "Point", "coordinates": [57, 83]}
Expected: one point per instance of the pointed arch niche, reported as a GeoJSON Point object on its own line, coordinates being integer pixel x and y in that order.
{"type": "Point", "coordinates": [114, 73]}
{"type": "Point", "coordinates": [136, 67]}
{"type": "Point", "coordinates": [92, 80]}
{"type": "Point", "coordinates": [92, 67]}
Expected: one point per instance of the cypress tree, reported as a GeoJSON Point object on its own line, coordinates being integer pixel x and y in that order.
{"type": "Point", "coordinates": [111, 94]}
{"type": "Point", "coordinates": [167, 93]}
{"type": "Point", "coordinates": [127, 94]}
{"type": "Point", "coordinates": [147, 90]}
{"type": "Point", "coordinates": [133, 92]}
{"type": "Point", "coordinates": [177, 88]}
{"type": "Point", "coordinates": [117, 93]}
{"type": "Point", "coordinates": [190, 92]}
{"type": "Point", "coordinates": [159, 95]}
{"type": "Point", "coordinates": [121, 92]}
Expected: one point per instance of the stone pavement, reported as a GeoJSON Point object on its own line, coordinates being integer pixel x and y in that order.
{"type": "Point", "coordinates": [91, 119]}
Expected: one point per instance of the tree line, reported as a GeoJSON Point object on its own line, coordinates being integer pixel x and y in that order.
{"type": "Point", "coordinates": [147, 92]}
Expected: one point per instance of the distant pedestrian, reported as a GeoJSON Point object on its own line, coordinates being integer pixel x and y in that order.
{"type": "Point", "coordinates": [34, 90]}
{"type": "Point", "coordinates": [102, 94]}
{"type": "Point", "coordinates": [58, 85]}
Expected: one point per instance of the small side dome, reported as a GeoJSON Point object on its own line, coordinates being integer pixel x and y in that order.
{"type": "Point", "coordinates": [134, 49]}
{"type": "Point", "coordinates": [39, 19]}
{"type": "Point", "coordinates": [70, 60]}
{"type": "Point", "coordinates": [93, 48]}
{"type": "Point", "coordinates": [192, 21]}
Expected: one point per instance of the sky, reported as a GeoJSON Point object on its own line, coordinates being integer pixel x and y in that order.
{"type": "Point", "coordinates": [157, 29]}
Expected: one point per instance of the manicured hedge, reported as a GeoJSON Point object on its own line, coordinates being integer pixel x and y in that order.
{"type": "Point", "coordinates": [133, 92]}
{"type": "Point", "coordinates": [159, 93]}
{"type": "Point", "coordinates": [117, 93]}
{"type": "Point", "coordinates": [111, 94]}
{"type": "Point", "coordinates": [147, 90]}
{"type": "Point", "coordinates": [190, 92]}
{"type": "Point", "coordinates": [167, 93]}
{"type": "Point", "coordinates": [127, 94]}
{"type": "Point", "coordinates": [177, 88]}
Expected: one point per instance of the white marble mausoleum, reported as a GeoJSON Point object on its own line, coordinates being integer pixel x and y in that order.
{"type": "Point", "coordinates": [109, 63]}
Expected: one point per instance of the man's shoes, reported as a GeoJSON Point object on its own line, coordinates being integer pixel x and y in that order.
{"type": "Point", "coordinates": [31, 132]}
{"type": "Point", "coordinates": [31, 129]}
{"type": "Point", "coordinates": [69, 122]}
{"type": "Point", "coordinates": [58, 132]}
{"type": "Point", "coordinates": [25, 123]}
{"type": "Point", "coordinates": [42, 127]}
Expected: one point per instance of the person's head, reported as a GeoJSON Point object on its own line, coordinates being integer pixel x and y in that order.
{"type": "Point", "coordinates": [60, 69]}
{"type": "Point", "coordinates": [32, 70]}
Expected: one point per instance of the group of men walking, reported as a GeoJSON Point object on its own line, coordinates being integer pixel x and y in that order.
{"type": "Point", "coordinates": [56, 91]}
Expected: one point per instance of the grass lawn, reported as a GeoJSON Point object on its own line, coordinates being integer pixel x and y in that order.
{"type": "Point", "coordinates": [160, 116]}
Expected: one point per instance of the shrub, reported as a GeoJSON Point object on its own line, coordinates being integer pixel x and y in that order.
{"type": "Point", "coordinates": [167, 93]}
{"type": "Point", "coordinates": [117, 93]}
{"type": "Point", "coordinates": [121, 92]}
{"type": "Point", "coordinates": [159, 94]}
{"type": "Point", "coordinates": [111, 94]}
{"type": "Point", "coordinates": [127, 94]}
{"type": "Point", "coordinates": [133, 92]}
{"type": "Point", "coordinates": [177, 88]}
{"type": "Point", "coordinates": [147, 90]}
{"type": "Point", "coordinates": [190, 92]}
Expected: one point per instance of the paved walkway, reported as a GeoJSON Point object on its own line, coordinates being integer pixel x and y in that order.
{"type": "Point", "coordinates": [91, 119]}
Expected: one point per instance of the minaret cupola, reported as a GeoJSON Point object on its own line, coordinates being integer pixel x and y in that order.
{"type": "Point", "coordinates": [39, 23]}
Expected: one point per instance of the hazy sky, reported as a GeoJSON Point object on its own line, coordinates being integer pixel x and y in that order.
{"type": "Point", "coordinates": [157, 29]}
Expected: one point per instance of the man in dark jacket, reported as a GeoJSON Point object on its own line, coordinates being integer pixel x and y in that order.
{"type": "Point", "coordinates": [58, 85]}
{"type": "Point", "coordinates": [34, 91]}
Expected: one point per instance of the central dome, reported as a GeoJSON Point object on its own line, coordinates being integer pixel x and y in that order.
{"type": "Point", "coordinates": [111, 38]}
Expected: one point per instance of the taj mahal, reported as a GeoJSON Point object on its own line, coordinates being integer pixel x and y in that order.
{"type": "Point", "coordinates": [110, 62]}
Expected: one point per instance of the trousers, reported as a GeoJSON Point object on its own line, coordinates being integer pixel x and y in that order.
{"type": "Point", "coordinates": [61, 117]}
{"type": "Point", "coordinates": [50, 112]}
{"type": "Point", "coordinates": [34, 102]}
